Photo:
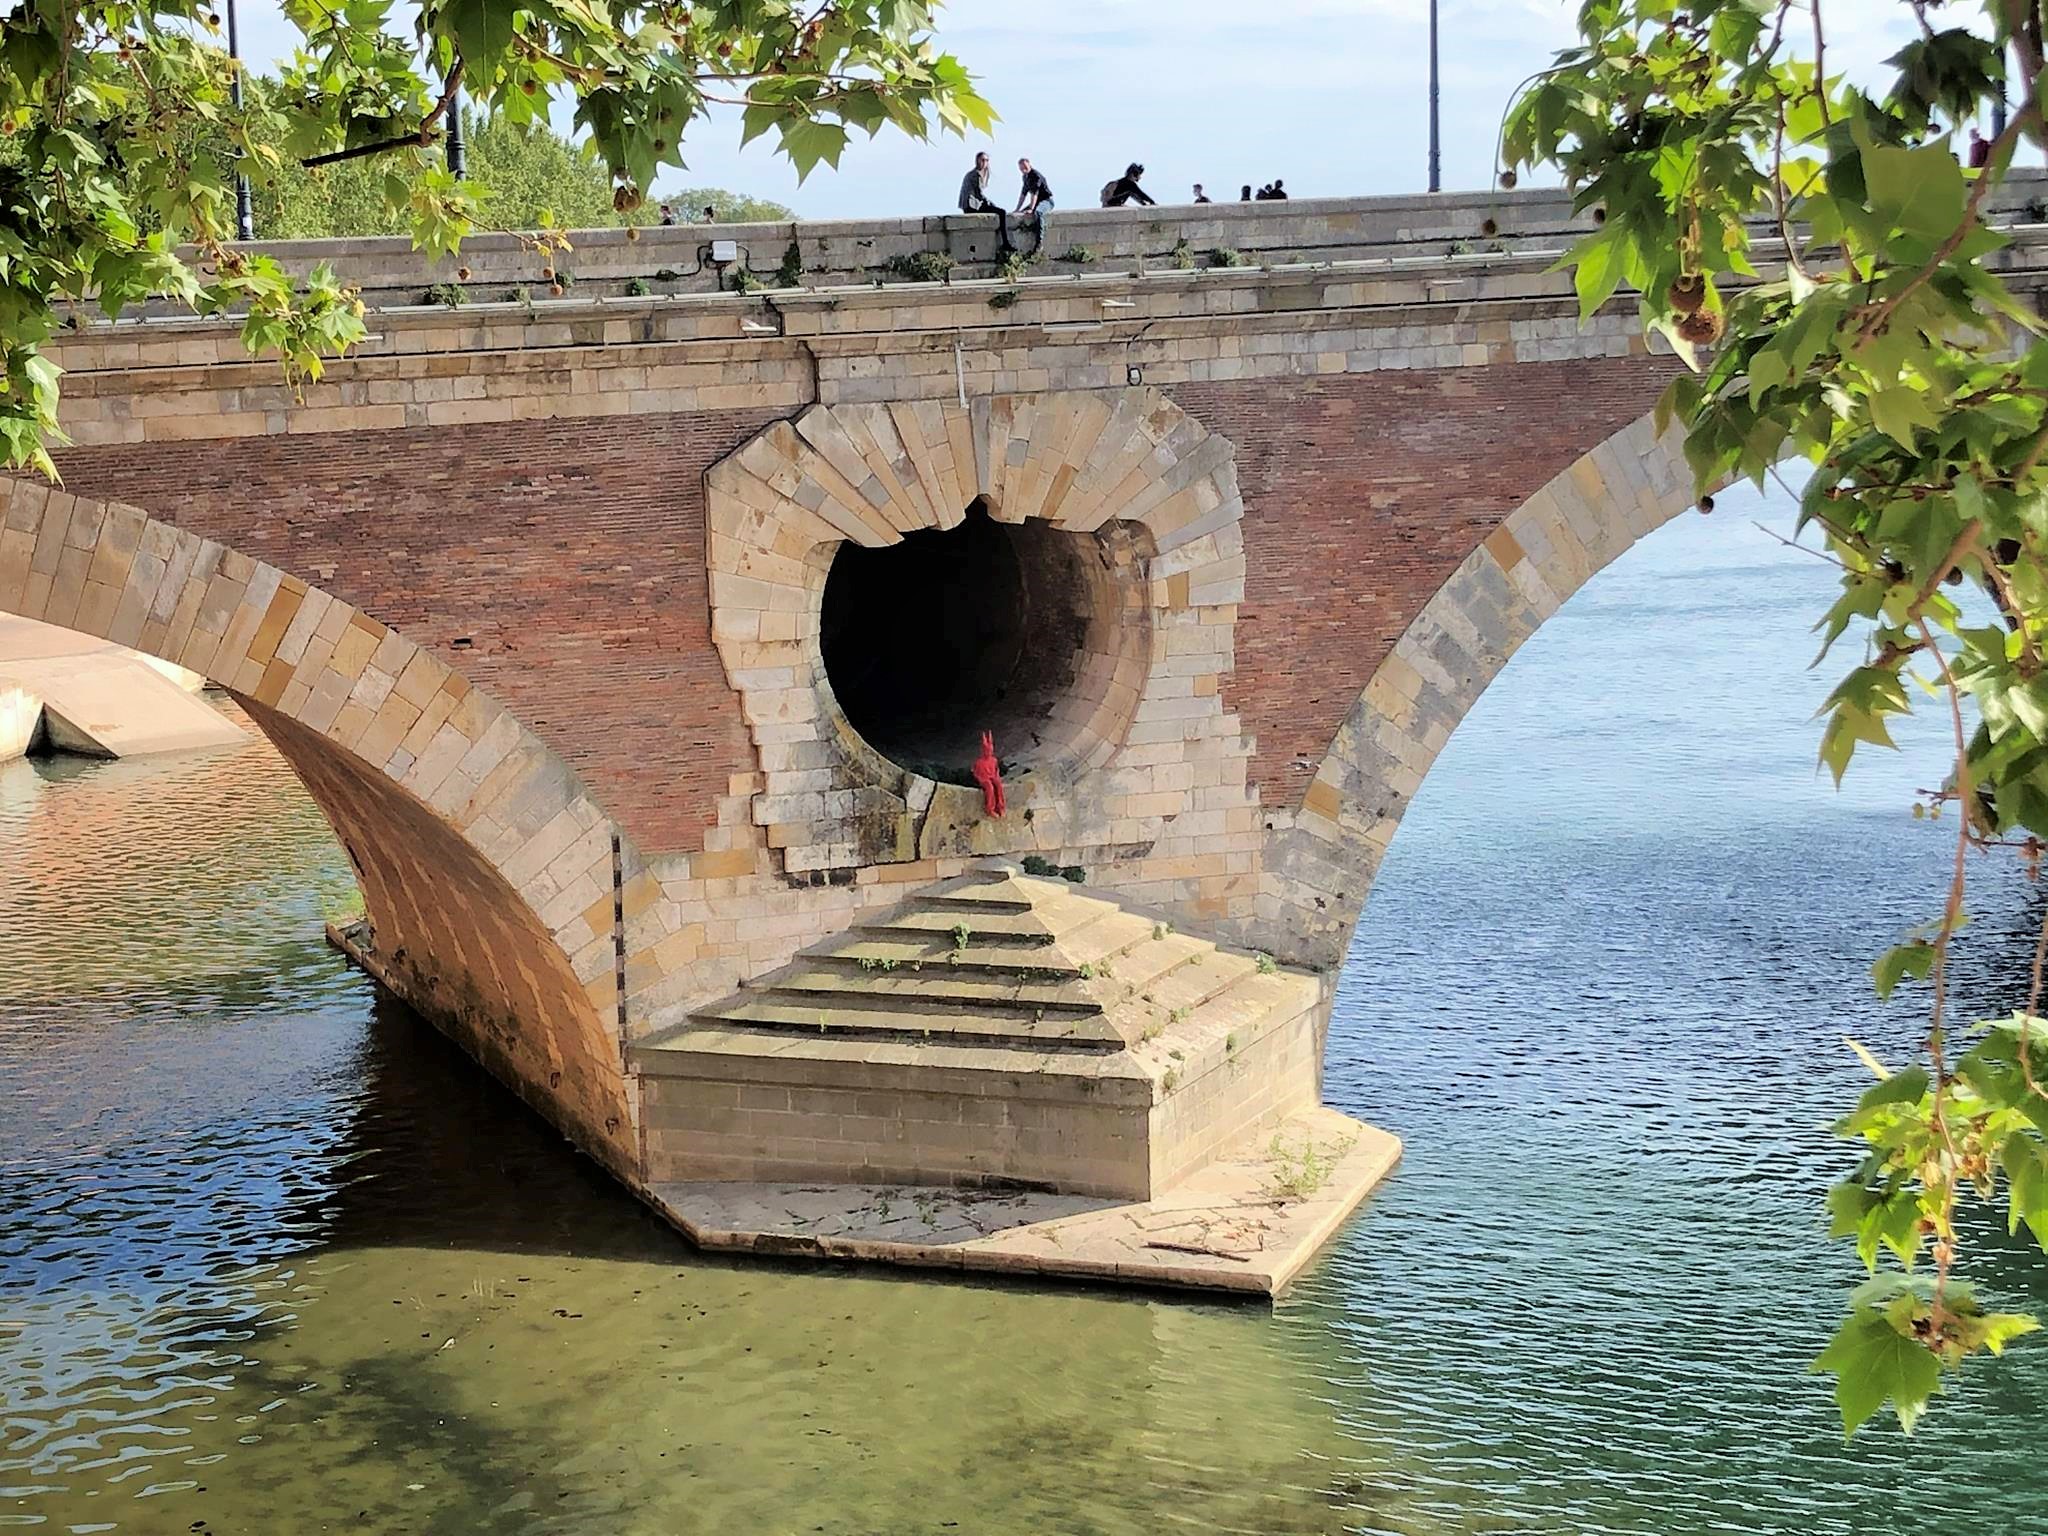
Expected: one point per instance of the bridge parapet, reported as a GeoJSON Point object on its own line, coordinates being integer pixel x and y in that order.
{"type": "Point", "coordinates": [672, 261]}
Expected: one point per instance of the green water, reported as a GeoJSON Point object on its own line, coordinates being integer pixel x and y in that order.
{"type": "Point", "coordinates": [275, 1258]}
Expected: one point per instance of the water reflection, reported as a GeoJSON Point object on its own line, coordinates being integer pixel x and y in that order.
{"type": "Point", "coordinates": [269, 1244]}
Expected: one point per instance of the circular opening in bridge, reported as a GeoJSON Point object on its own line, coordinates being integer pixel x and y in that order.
{"type": "Point", "coordinates": [1021, 629]}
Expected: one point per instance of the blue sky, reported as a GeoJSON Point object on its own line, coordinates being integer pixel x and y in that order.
{"type": "Point", "coordinates": [1329, 94]}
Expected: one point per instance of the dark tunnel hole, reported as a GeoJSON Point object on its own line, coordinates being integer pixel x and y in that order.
{"type": "Point", "coordinates": [986, 626]}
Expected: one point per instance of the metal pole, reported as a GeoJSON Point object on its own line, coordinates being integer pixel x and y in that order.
{"type": "Point", "coordinates": [1998, 106]}
{"type": "Point", "coordinates": [458, 150]}
{"type": "Point", "coordinates": [1436, 166]}
{"type": "Point", "coordinates": [245, 210]}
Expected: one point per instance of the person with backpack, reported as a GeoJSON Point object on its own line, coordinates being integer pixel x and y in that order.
{"type": "Point", "coordinates": [1125, 189]}
{"type": "Point", "coordinates": [1034, 202]}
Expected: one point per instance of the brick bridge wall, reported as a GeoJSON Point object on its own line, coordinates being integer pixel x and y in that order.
{"type": "Point", "coordinates": [567, 558]}
{"type": "Point", "coordinates": [1411, 464]}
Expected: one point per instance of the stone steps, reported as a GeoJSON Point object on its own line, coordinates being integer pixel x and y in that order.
{"type": "Point", "coordinates": [989, 994]}
{"type": "Point", "coordinates": [1070, 1044]}
{"type": "Point", "coordinates": [858, 1017]}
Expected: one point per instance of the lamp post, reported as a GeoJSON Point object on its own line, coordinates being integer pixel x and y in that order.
{"type": "Point", "coordinates": [245, 211]}
{"type": "Point", "coordinates": [1436, 178]}
{"type": "Point", "coordinates": [458, 150]}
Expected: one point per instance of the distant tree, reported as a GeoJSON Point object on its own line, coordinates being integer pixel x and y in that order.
{"type": "Point", "coordinates": [530, 177]}
{"type": "Point", "coordinates": [732, 207]}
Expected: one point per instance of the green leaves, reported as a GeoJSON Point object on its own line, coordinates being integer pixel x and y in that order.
{"type": "Point", "coordinates": [1900, 1335]}
{"type": "Point", "coordinates": [1900, 961]}
{"type": "Point", "coordinates": [1878, 347]}
{"type": "Point", "coordinates": [807, 143]}
{"type": "Point", "coordinates": [1899, 411]}
{"type": "Point", "coordinates": [1917, 191]}
{"type": "Point", "coordinates": [1876, 1359]}
{"type": "Point", "coordinates": [1856, 713]}
{"type": "Point", "coordinates": [125, 138]}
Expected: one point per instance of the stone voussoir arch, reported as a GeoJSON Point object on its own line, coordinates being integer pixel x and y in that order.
{"type": "Point", "coordinates": [1321, 864]}
{"type": "Point", "coordinates": [486, 868]}
{"type": "Point", "coordinates": [1125, 461]}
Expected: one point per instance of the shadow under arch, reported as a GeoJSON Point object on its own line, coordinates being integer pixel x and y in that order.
{"type": "Point", "coordinates": [486, 869]}
{"type": "Point", "coordinates": [1323, 854]}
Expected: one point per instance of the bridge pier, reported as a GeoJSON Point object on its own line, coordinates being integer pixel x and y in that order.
{"type": "Point", "coordinates": [636, 644]}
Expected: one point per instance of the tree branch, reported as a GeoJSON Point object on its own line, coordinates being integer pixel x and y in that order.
{"type": "Point", "coordinates": [1948, 247]}
{"type": "Point", "coordinates": [421, 137]}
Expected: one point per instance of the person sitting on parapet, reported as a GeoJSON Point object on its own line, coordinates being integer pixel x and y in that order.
{"type": "Point", "coordinates": [1034, 202]}
{"type": "Point", "coordinates": [1200, 195]}
{"type": "Point", "coordinates": [974, 198]}
{"type": "Point", "coordinates": [1279, 189]}
{"type": "Point", "coordinates": [1125, 189]}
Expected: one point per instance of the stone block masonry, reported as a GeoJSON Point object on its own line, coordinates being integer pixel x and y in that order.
{"type": "Point", "coordinates": [533, 597]}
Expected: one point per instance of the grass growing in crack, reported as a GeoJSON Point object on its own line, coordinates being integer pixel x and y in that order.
{"type": "Point", "coordinates": [876, 963]}
{"type": "Point", "coordinates": [1265, 965]}
{"type": "Point", "coordinates": [920, 266]}
{"type": "Point", "coordinates": [791, 273]}
{"type": "Point", "coordinates": [1161, 930]}
{"type": "Point", "coordinates": [961, 934]}
{"type": "Point", "coordinates": [1299, 1171]}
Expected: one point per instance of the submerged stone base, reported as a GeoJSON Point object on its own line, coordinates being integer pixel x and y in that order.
{"type": "Point", "coordinates": [1004, 1075]}
{"type": "Point", "coordinates": [1247, 1223]}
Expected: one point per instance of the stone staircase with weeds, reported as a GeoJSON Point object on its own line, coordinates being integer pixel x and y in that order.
{"type": "Point", "coordinates": [997, 1029]}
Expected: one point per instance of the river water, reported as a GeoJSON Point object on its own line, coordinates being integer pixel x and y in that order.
{"type": "Point", "coordinates": [274, 1258]}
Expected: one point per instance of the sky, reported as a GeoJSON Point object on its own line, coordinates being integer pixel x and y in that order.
{"type": "Point", "coordinates": [1330, 95]}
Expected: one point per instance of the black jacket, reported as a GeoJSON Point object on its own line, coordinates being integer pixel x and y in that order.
{"type": "Point", "coordinates": [1124, 190]}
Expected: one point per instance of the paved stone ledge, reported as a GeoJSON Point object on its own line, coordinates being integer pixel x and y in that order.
{"type": "Point", "coordinates": [1227, 1228]}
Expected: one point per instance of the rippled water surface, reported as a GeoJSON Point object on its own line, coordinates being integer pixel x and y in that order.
{"type": "Point", "coordinates": [274, 1258]}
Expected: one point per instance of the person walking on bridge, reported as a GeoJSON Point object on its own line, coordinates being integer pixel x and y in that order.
{"type": "Point", "coordinates": [1034, 202]}
{"type": "Point", "coordinates": [974, 198]}
{"type": "Point", "coordinates": [1125, 189]}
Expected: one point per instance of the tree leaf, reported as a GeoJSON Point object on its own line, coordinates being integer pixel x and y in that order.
{"type": "Point", "coordinates": [1874, 1364]}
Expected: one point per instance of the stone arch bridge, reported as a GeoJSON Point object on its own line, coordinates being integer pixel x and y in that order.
{"type": "Point", "coordinates": [637, 645]}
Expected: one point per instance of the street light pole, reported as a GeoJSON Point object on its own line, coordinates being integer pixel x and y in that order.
{"type": "Point", "coordinates": [458, 150]}
{"type": "Point", "coordinates": [1436, 177]}
{"type": "Point", "coordinates": [245, 211]}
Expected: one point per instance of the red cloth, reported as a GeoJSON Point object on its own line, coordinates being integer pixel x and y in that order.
{"type": "Point", "coordinates": [988, 773]}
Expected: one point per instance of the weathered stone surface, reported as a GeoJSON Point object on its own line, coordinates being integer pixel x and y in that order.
{"type": "Point", "coordinates": [531, 597]}
{"type": "Point", "coordinates": [1240, 1225]}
